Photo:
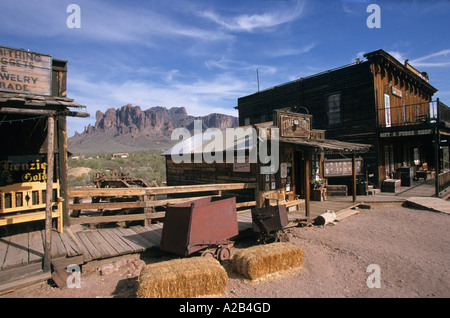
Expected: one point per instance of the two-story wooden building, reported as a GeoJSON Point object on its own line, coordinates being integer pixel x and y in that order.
{"type": "Point", "coordinates": [33, 111]}
{"type": "Point", "coordinates": [378, 101]}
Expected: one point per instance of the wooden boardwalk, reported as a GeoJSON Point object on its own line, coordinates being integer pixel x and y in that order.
{"type": "Point", "coordinates": [25, 251]}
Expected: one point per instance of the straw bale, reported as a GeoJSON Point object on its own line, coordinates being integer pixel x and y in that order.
{"type": "Point", "coordinates": [261, 260]}
{"type": "Point", "coordinates": [182, 278]}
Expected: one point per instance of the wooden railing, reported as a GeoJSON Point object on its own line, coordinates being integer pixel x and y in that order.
{"type": "Point", "coordinates": [147, 200]}
{"type": "Point", "coordinates": [443, 181]}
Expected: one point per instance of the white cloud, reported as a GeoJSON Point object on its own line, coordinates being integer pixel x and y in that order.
{"type": "Point", "coordinates": [398, 56]}
{"type": "Point", "coordinates": [100, 21]}
{"type": "Point", "coordinates": [200, 97]}
{"type": "Point", "coordinates": [438, 59]}
{"type": "Point", "coordinates": [251, 22]}
{"type": "Point", "coordinates": [291, 51]}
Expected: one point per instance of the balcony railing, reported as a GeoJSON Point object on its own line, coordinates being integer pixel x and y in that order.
{"type": "Point", "coordinates": [413, 114]}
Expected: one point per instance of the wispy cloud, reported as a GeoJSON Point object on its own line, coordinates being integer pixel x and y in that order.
{"type": "Point", "coordinates": [399, 56]}
{"type": "Point", "coordinates": [101, 21]}
{"type": "Point", "coordinates": [278, 52]}
{"type": "Point", "coordinates": [252, 22]}
{"type": "Point", "coordinates": [200, 97]}
{"type": "Point", "coordinates": [438, 59]}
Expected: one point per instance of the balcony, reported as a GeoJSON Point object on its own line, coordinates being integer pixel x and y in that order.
{"type": "Point", "coordinates": [420, 115]}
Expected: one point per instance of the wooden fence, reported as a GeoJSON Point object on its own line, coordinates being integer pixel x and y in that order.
{"type": "Point", "coordinates": [443, 181]}
{"type": "Point", "coordinates": [145, 198]}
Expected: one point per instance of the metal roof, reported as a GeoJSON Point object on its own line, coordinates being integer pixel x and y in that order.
{"type": "Point", "coordinates": [212, 140]}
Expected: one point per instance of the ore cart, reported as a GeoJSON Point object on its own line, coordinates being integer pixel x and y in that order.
{"type": "Point", "coordinates": [201, 226]}
{"type": "Point", "coordinates": [269, 223]}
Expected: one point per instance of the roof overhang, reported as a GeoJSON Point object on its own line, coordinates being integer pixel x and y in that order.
{"type": "Point", "coordinates": [327, 146]}
{"type": "Point", "coordinates": [28, 104]}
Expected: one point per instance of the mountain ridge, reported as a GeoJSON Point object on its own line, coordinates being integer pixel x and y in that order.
{"type": "Point", "coordinates": [131, 129]}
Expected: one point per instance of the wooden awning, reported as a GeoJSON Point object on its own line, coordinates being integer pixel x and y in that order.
{"type": "Point", "coordinates": [327, 146]}
{"type": "Point", "coordinates": [29, 104]}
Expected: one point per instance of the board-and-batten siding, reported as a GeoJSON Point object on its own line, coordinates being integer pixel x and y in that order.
{"type": "Point", "coordinates": [355, 85]}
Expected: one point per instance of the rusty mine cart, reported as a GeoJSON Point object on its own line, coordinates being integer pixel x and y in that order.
{"type": "Point", "coordinates": [201, 226]}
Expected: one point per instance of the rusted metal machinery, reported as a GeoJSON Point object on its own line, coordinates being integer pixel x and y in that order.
{"type": "Point", "coordinates": [269, 223]}
{"type": "Point", "coordinates": [118, 180]}
{"type": "Point", "coordinates": [201, 226]}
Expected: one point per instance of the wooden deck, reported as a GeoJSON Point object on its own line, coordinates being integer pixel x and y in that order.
{"type": "Point", "coordinates": [23, 253]}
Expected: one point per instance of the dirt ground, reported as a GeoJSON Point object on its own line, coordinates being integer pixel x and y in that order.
{"type": "Point", "coordinates": [409, 247]}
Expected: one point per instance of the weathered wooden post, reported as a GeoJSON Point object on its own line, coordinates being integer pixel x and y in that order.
{"type": "Point", "coordinates": [307, 183]}
{"type": "Point", "coordinates": [49, 195]}
{"type": "Point", "coordinates": [354, 176]}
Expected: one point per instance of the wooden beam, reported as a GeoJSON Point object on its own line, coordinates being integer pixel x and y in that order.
{"type": "Point", "coordinates": [49, 195]}
{"type": "Point", "coordinates": [159, 190]}
{"type": "Point", "coordinates": [116, 218]}
{"type": "Point", "coordinates": [11, 110]}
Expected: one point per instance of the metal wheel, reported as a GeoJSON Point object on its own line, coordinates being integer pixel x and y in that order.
{"type": "Point", "coordinates": [224, 254]}
{"type": "Point", "coordinates": [207, 253]}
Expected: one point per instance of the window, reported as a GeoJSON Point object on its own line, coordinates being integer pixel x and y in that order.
{"type": "Point", "coordinates": [263, 118]}
{"type": "Point", "coordinates": [334, 109]}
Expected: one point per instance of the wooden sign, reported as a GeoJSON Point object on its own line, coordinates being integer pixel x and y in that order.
{"type": "Point", "coordinates": [25, 72]}
{"type": "Point", "coordinates": [397, 92]}
{"type": "Point", "coordinates": [294, 125]}
{"type": "Point", "coordinates": [341, 167]}
{"type": "Point", "coordinates": [19, 169]}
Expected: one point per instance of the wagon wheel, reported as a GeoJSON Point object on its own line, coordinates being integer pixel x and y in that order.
{"type": "Point", "coordinates": [208, 253]}
{"type": "Point", "coordinates": [224, 254]}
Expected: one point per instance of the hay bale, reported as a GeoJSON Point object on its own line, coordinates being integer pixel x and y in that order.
{"type": "Point", "coordinates": [258, 261]}
{"type": "Point", "coordinates": [182, 278]}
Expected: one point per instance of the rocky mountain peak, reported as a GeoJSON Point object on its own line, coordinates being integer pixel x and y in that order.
{"type": "Point", "coordinates": [130, 127]}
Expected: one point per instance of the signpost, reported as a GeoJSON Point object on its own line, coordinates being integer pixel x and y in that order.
{"type": "Point", "coordinates": [25, 72]}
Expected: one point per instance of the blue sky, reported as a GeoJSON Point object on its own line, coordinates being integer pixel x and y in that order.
{"type": "Point", "coordinates": [203, 55]}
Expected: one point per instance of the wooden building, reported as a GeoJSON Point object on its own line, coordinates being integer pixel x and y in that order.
{"type": "Point", "coordinates": [33, 110]}
{"type": "Point", "coordinates": [379, 101]}
{"type": "Point", "coordinates": [296, 158]}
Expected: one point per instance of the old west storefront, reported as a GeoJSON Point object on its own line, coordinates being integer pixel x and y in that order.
{"type": "Point", "coordinates": [33, 110]}
{"type": "Point", "coordinates": [379, 101]}
{"type": "Point", "coordinates": [300, 164]}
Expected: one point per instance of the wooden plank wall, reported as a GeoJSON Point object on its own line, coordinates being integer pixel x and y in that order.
{"type": "Point", "coordinates": [355, 85]}
{"type": "Point", "coordinates": [210, 173]}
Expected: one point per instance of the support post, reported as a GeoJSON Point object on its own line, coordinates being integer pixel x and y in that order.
{"type": "Point", "coordinates": [48, 195]}
{"type": "Point", "coordinates": [307, 183]}
{"type": "Point", "coordinates": [437, 151]}
{"type": "Point", "coordinates": [63, 167]}
{"type": "Point", "coordinates": [354, 176]}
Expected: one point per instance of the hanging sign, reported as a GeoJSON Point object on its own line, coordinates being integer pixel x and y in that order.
{"type": "Point", "coordinates": [294, 124]}
{"type": "Point", "coordinates": [341, 167]}
{"type": "Point", "coordinates": [25, 72]}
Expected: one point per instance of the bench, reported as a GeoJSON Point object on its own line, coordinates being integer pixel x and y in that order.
{"type": "Point", "coordinates": [337, 190]}
{"type": "Point", "coordinates": [25, 202]}
{"type": "Point", "coordinates": [423, 173]}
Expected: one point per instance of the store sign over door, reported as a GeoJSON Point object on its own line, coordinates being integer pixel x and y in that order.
{"type": "Point", "coordinates": [25, 72]}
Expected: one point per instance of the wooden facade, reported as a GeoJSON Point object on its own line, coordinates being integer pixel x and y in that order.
{"type": "Point", "coordinates": [300, 153]}
{"type": "Point", "coordinates": [27, 142]}
{"type": "Point", "coordinates": [370, 101]}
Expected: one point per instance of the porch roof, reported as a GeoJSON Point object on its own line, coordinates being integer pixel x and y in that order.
{"type": "Point", "coordinates": [327, 146]}
{"type": "Point", "coordinates": [30, 104]}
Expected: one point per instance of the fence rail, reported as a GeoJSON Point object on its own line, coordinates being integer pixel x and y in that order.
{"type": "Point", "coordinates": [443, 181]}
{"type": "Point", "coordinates": [146, 199]}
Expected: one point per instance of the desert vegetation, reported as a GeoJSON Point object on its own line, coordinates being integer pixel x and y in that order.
{"type": "Point", "coordinates": [149, 166]}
